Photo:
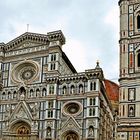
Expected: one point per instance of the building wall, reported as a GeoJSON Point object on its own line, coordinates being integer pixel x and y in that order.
{"type": "Point", "coordinates": [43, 97]}
{"type": "Point", "coordinates": [129, 99]}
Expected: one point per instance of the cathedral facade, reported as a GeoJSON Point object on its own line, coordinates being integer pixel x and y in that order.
{"type": "Point", "coordinates": [129, 97]}
{"type": "Point", "coordinates": [43, 97]}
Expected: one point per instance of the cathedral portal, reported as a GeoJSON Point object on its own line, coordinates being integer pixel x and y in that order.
{"type": "Point", "coordinates": [70, 135]}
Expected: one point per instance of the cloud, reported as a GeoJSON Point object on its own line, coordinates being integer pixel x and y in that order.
{"type": "Point", "coordinates": [91, 28]}
{"type": "Point", "coordinates": [76, 52]}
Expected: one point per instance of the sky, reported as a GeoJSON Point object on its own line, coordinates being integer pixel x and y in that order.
{"type": "Point", "coordinates": [91, 28]}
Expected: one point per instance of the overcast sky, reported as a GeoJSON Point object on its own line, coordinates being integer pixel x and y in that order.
{"type": "Point", "coordinates": [91, 28]}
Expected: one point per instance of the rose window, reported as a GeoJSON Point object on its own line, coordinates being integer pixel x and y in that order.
{"type": "Point", "coordinates": [25, 71]}
{"type": "Point", "coordinates": [72, 108]}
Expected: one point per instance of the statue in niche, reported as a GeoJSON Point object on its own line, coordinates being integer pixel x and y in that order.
{"type": "Point", "coordinates": [131, 111]}
{"type": "Point", "coordinates": [35, 110]}
{"type": "Point", "coordinates": [72, 89]}
{"type": "Point", "coordinates": [91, 131]}
{"type": "Point", "coordinates": [49, 132]}
{"type": "Point", "coordinates": [7, 113]}
{"type": "Point", "coordinates": [22, 93]}
{"type": "Point", "coordinates": [131, 94]}
{"type": "Point", "coordinates": [80, 89]}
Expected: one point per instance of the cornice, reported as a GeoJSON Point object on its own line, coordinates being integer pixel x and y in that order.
{"type": "Point", "coordinates": [33, 37]}
{"type": "Point", "coordinates": [76, 77]}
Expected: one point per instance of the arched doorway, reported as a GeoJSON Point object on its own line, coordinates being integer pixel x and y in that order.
{"type": "Point", "coordinates": [21, 131]}
{"type": "Point", "coordinates": [70, 135]}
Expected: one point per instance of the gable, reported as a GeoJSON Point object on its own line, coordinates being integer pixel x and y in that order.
{"type": "Point", "coordinates": [21, 112]}
{"type": "Point", "coordinates": [26, 40]}
{"type": "Point", "coordinates": [71, 124]}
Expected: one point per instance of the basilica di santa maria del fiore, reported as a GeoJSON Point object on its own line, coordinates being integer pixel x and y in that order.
{"type": "Point", "coordinates": [43, 97]}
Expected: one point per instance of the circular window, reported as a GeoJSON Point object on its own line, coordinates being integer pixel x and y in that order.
{"type": "Point", "coordinates": [72, 108]}
{"type": "Point", "coordinates": [25, 71]}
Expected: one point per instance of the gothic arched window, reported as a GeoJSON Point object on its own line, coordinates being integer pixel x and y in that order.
{"type": "Point", "coordinates": [138, 22]}
{"type": "Point", "coordinates": [138, 59]}
{"type": "Point", "coordinates": [9, 95]}
{"type": "Point", "coordinates": [51, 89]}
{"type": "Point", "coordinates": [91, 86]}
{"type": "Point", "coordinates": [3, 95]}
{"type": "Point", "coordinates": [92, 101]}
{"type": "Point", "coordinates": [94, 86]}
{"type": "Point", "coordinates": [14, 94]}
{"type": "Point", "coordinates": [91, 111]}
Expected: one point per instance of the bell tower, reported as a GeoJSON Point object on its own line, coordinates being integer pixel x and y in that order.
{"type": "Point", "coordinates": [129, 96]}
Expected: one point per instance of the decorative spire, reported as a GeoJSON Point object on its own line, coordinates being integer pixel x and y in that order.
{"type": "Point", "coordinates": [97, 65]}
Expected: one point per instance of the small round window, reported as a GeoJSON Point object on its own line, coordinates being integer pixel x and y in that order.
{"type": "Point", "coordinates": [72, 108]}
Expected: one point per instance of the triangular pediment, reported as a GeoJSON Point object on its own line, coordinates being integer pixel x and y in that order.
{"type": "Point", "coordinates": [26, 40]}
{"type": "Point", "coordinates": [21, 111]}
{"type": "Point", "coordinates": [71, 124]}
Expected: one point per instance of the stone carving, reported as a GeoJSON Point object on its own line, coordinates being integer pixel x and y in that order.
{"type": "Point", "coordinates": [35, 110]}
{"type": "Point", "coordinates": [49, 132]}
{"type": "Point", "coordinates": [71, 137]}
{"type": "Point", "coordinates": [35, 125]}
{"type": "Point", "coordinates": [7, 113]}
{"type": "Point", "coordinates": [21, 114]}
{"type": "Point", "coordinates": [91, 131]}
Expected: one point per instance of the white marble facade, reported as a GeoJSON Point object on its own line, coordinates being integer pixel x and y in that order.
{"type": "Point", "coordinates": [43, 97]}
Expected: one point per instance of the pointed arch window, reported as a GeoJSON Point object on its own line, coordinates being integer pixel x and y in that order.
{"type": "Point", "coordinates": [92, 112]}
{"type": "Point", "coordinates": [50, 113]}
{"type": "Point", "coordinates": [9, 95]}
{"type": "Point", "coordinates": [50, 104]}
{"type": "Point", "coordinates": [3, 95]}
{"type": "Point", "coordinates": [14, 94]}
{"type": "Point", "coordinates": [92, 101]}
{"type": "Point", "coordinates": [138, 59]}
{"type": "Point", "coordinates": [138, 22]}
{"type": "Point", "coordinates": [92, 86]}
